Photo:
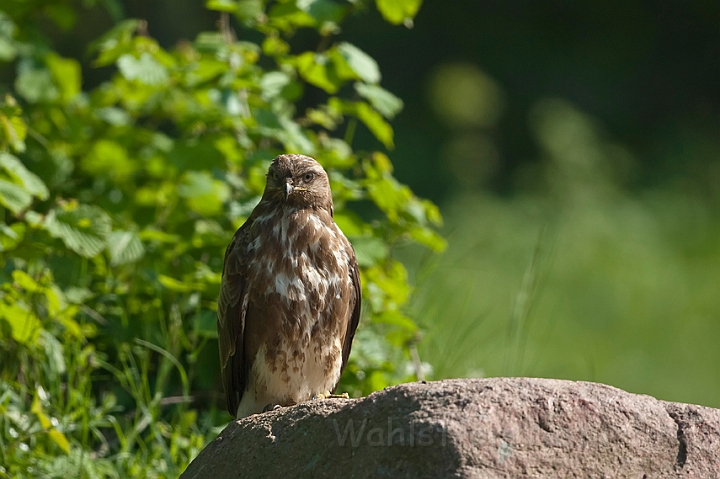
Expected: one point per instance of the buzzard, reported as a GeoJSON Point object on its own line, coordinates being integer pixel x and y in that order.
{"type": "Point", "coordinates": [290, 295]}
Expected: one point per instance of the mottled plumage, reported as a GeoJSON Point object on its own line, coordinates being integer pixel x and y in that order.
{"type": "Point", "coordinates": [290, 296]}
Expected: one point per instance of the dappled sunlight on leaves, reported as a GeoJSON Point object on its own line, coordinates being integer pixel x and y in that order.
{"type": "Point", "coordinates": [116, 205]}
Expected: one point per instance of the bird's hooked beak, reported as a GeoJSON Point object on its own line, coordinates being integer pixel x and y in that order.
{"type": "Point", "coordinates": [287, 187]}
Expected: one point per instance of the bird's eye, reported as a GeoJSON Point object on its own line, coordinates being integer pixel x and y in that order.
{"type": "Point", "coordinates": [308, 177]}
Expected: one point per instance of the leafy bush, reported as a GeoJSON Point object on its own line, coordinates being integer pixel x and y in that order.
{"type": "Point", "coordinates": [116, 205]}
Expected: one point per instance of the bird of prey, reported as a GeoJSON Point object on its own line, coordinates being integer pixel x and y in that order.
{"type": "Point", "coordinates": [290, 296]}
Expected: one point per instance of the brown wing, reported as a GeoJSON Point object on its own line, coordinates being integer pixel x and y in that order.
{"type": "Point", "coordinates": [232, 310]}
{"type": "Point", "coordinates": [355, 315]}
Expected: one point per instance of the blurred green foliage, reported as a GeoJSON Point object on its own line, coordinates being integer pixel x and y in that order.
{"type": "Point", "coordinates": [577, 277]}
{"type": "Point", "coordinates": [116, 204]}
{"type": "Point", "coordinates": [573, 149]}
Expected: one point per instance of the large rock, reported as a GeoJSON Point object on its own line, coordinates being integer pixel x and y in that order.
{"type": "Point", "coordinates": [504, 427]}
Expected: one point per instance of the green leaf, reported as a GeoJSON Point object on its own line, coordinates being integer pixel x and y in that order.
{"type": "Point", "coordinates": [116, 42]}
{"type": "Point", "coordinates": [389, 195]}
{"type": "Point", "coordinates": [107, 158]}
{"type": "Point", "coordinates": [294, 139]}
{"type": "Point", "coordinates": [151, 234]}
{"type": "Point", "coordinates": [16, 194]}
{"type": "Point", "coordinates": [113, 116]}
{"type": "Point", "coordinates": [322, 117]}
{"type": "Point", "coordinates": [375, 123]}
{"type": "Point", "coordinates": [267, 121]}
{"type": "Point", "coordinates": [33, 218]}
{"type": "Point", "coordinates": [314, 68]}
{"type": "Point", "coordinates": [77, 295]}
{"type": "Point", "coordinates": [273, 46]}
{"type": "Point", "coordinates": [36, 84]}
{"type": "Point", "coordinates": [388, 285]}
{"type": "Point", "coordinates": [222, 5]}
{"type": "Point", "coordinates": [11, 236]}
{"type": "Point", "coordinates": [350, 223]}
{"type": "Point", "coordinates": [381, 163]}
{"type": "Point", "coordinates": [370, 118]}
{"type": "Point", "coordinates": [205, 70]}
{"type": "Point", "coordinates": [174, 285]}
{"type": "Point", "coordinates": [54, 352]}
{"type": "Point", "coordinates": [83, 229]}
{"type": "Point", "coordinates": [145, 69]}
{"type": "Point", "coordinates": [361, 63]}
{"type": "Point", "coordinates": [8, 49]}
{"type": "Point", "coordinates": [323, 11]}
{"type": "Point", "coordinates": [432, 212]}
{"type": "Point", "coordinates": [287, 17]}
{"type": "Point", "coordinates": [203, 193]}
{"type": "Point", "coordinates": [124, 247]}
{"type": "Point", "coordinates": [55, 298]}
{"type": "Point", "coordinates": [65, 74]}
{"type": "Point", "coordinates": [250, 11]}
{"type": "Point", "coordinates": [26, 282]}
{"type": "Point", "coordinates": [369, 250]}
{"type": "Point", "coordinates": [426, 236]}
{"type": "Point", "coordinates": [196, 155]}
{"type": "Point", "coordinates": [56, 436]}
{"type": "Point", "coordinates": [14, 130]}
{"type": "Point", "coordinates": [25, 327]}
{"type": "Point", "coordinates": [273, 83]}
{"type": "Point", "coordinates": [398, 11]}
{"type": "Point", "coordinates": [29, 181]}
{"type": "Point", "coordinates": [14, 197]}
{"type": "Point", "coordinates": [382, 100]}
{"type": "Point", "coordinates": [336, 153]}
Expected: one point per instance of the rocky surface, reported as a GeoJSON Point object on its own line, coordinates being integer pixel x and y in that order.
{"type": "Point", "coordinates": [484, 428]}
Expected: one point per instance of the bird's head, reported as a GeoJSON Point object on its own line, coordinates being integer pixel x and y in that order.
{"type": "Point", "coordinates": [298, 180]}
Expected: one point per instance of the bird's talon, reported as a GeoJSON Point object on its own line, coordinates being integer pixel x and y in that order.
{"type": "Point", "coordinates": [271, 407]}
{"type": "Point", "coordinates": [328, 395]}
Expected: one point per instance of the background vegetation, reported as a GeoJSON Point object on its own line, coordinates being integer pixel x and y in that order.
{"type": "Point", "coordinates": [118, 200]}
{"type": "Point", "coordinates": [573, 148]}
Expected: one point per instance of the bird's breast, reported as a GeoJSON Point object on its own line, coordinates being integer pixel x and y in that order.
{"type": "Point", "coordinates": [301, 268]}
